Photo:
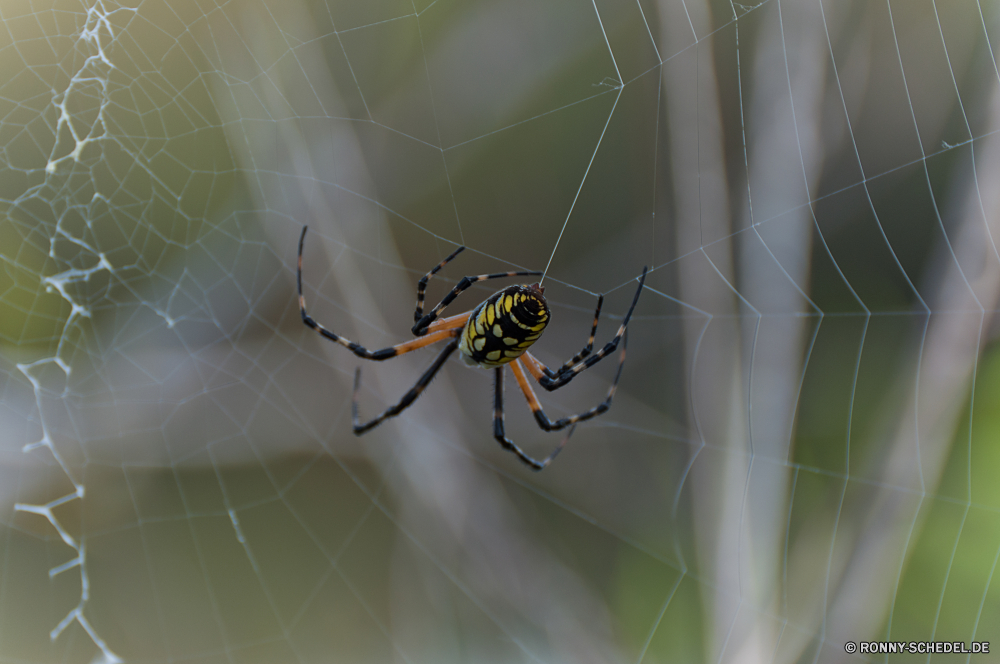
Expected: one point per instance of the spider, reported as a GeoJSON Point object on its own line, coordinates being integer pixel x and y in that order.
{"type": "Point", "coordinates": [496, 333]}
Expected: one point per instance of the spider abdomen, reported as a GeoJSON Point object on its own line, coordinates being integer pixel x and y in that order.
{"type": "Point", "coordinates": [504, 326]}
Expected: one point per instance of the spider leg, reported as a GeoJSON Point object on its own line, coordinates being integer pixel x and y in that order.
{"type": "Point", "coordinates": [586, 349]}
{"type": "Point", "coordinates": [443, 331]}
{"type": "Point", "coordinates": [536, 367]}
{"type": "Point", "coordinates": [422, 284]}
{"type": "Point", "coordinates": [422, 325]}
{"type": "Point", "coordinates": [567, 373]}
{"type": "Point", "coordinates": [408, 398]}
{"type": "Point", "coordinates": [536, 408]}
{"type": "Point", "coordinates": [508, 444]}
{"type": "Point", "coordinates": [449, 323]}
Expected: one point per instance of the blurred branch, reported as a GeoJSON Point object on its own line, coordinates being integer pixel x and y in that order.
{"type": "Point", "coordinates": [707, 277]}
{"type": "Point", "coordinates": [968, 278]}
{"type": "Point", "coordinates": [784, 156]}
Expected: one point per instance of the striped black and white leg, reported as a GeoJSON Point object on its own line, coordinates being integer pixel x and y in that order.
{"type": "Point", "coordinates": [501, 436]}
{"type": "Point", "coordinates": [420, 327]}
{"type": "Point", "coordinates": [536, 408]}
{"type": "Point", "coordinates": [422, 284]}
{"type": "Point", "coordinates": [568, 373]}
{"type": "Point", "coordinates": [356, 348]}
{"type": "Point", "coordinates": [408, 398]}
{"type": "Point", "coordinates": [586, 349]}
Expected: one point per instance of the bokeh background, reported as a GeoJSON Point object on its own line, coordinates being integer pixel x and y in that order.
{"type": "Point", "coordinates": [802, 451]}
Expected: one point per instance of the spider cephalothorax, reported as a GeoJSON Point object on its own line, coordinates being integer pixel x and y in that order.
{"type": "Point", "coordinates": [496, 333]}
{"type": "Point", "coordinates": [500, 329]}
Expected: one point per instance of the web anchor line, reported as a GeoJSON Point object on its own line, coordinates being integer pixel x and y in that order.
{"type": "Point", "coordinates": [582, 182]}
{"type": "Point", "coordinates": [620, 86]}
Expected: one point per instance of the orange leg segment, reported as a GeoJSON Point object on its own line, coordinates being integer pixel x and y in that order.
{"type": "Point", "coordinates": [449, 323]}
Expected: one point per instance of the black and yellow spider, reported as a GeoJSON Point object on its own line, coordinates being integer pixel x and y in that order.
{"type": "Point", "coordinates": [496, 333]}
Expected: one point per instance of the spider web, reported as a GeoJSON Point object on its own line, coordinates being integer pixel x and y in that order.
{"type": "Point", "coordinates": [799, 453]}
